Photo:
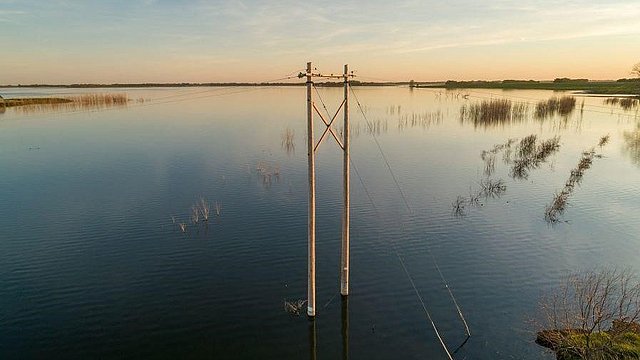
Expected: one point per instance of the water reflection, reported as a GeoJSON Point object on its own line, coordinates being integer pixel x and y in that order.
{"type": "Point", "coordinates": [345, 327]}
{"type": "Point", "coordinates": [562, 106]}
{"type": "Point", "coordinates": [631, 146]}
{"type": "Point", "coordinates": [625, 103]}
{"type": "Point", "coordinates": [424, 120]}
{"type": "Point", "coordinates": [313, 340]}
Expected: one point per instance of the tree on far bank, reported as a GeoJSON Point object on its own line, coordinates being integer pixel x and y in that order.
{"type": "Point", "coordinates": [593, 315]}
{"type": "Point", "coordinates": [636, 70]}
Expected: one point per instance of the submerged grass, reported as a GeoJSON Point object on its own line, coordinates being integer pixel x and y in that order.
{"type": "Point", "coordinates": [562, 106]}
{"type": "Point", "coordinates": [68, 103]}
{"type": "Point", "coordinates": [631, 147]}
{"type": "Point", "coordinates": [626, 103]}
{"type": "Point", "coordinates": [423, 120]}
{"type": "Point", "coordinates": [493, 112]}
{"type": "Point", "coordinates": [288, 141]}
{"type": "Point", "coordinates": [555, 210]}
{"type": "Point", "coordinates": [294, 307]}
{"type": "Point", "coordinates": [532, 154]}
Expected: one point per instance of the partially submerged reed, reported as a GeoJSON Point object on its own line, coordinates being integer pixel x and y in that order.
{"type": "Point", "coordinates": [200, 212]}
{"type": "Point", "coordinates": [562, 106]}
{"type": "Point", "coordinates": [531, 154]}
{"type": "Point", "coordinates": [488, 188]}
{"type": "Point", "coordinates": [631, 146]}
{"type": "Point", "coordinates": [294, 307]}
{"type": "Point", "coordinates": [268, 172]}
{"type": "Point", "coordinates": [626, 103]}
{"type": "Point", "coordinates": [553, 212]}
{"type": "Point", "coordinates": [69, 103]}
{"type": "Point", "coordinates": [288, 141]}
{"type": "Point", "coordinates": [459, 205]}
{"type": "Point", "coordinates": [423, 120]}
{"type": "Point", "coordinates": [488, 112]}
{"type": "Point", "coordinates": [204, 209]}
{"type": "Point", "coordinates": [492, 188]}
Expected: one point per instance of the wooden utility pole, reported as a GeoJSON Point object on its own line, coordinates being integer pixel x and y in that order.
{"type": "Point", "coordinates": [311, 148]}
{"type": "Point", "coordinates": [311, 290]}
{"type": "Point", "coordinates": [344, 279]}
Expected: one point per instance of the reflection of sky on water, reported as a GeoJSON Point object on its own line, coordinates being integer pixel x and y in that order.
{"type": "Point", "coordinates": [92, 265]}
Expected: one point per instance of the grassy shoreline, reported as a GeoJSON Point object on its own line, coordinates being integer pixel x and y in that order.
{"type": "Point", "coordinates": [607, 87]}
{"type": "Point", "coordinates": [619, 87]}
{"type": "Point", "coordinates": [32, 101]}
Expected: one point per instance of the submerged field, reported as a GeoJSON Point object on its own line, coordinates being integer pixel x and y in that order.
{"type": "Point", "coordinates": [101, 254]}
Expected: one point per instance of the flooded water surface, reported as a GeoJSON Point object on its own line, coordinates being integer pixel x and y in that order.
{"type": "Point", "coordinates": [101, 257]}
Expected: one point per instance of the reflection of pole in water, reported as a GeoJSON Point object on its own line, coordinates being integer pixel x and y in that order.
{"type": "Point", "coordinates": [345, 328]}
{"type": "Point", "coordinates": [313, 345]}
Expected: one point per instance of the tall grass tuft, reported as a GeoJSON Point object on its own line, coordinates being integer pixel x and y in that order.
{"type": "Point", "coordinates": [69, 103]}
{"type": "Point", "coordinates": [631, 146]}
{"type": "Point", "coordinates": [294, 307]}
{"type": "Point", "coordinates": [493, 112]}
{"type": "Point", "coordinates": [553, 212]}
{"type": "Point", "coordinates": [204, 209]}
{"type": "Point", "coordinates": [530, 155]}
{"type": "Point", "coordinates": [195, 214]}
{"type": "Point", "coordinates": [626, 103]}
{"type": "Point", "coordinates": [562, 106]}
{"type": "Point", "coordinates": [288, 141]}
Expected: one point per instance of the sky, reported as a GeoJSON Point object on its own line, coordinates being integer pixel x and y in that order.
{"type": "Point", "coordinates": [131, 41]}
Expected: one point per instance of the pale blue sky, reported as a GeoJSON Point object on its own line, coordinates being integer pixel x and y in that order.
{"type": "Point", "coordinates": [67, 41]}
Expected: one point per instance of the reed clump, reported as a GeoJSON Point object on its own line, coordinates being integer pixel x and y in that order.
{"type": "Point", "coordinates": [562, 106]}
{"type": "Point", "coordinates": [269, 173]}
{"type": "Point", "coordinates": [626, 103]}
{"type": "Point", "coordinates": [555, 210]}
{"type": "Point", "coordinates": [204, 209]}
{"type": "Point", "coordinates": [294, 307]}
{"type": "Point", "coordinates": [288, 141]}
{"type": "Point", "coordinates": [459, 205]}
{"type": "Point", "coordinates": [199, 213]}
{"type": "Point", "coordinates": [531, 154]}
{"type": "Point", "coordinates": [488, 188]}
{"type": "Point", "coordinates": [631, 145]}
{"type": "Point", "coordinates": [493, 112]}
{"type": "Point", "coordinates": [423, 120]}
{"type": "Point", "coordinates": [69, 103]}
{"type": "Point", "coordinates": [489, 156]}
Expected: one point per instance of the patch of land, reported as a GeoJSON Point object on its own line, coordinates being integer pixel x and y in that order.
{"type": "Point", "coordinates": [32, 101]}
{"type": "Point", "coordinates": [617, 87]}
{"type": "Point", "coordinates": [622, 341]}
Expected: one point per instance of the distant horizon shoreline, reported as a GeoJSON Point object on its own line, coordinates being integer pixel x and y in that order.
{"type": "Point", "coordinates": [621, 86]}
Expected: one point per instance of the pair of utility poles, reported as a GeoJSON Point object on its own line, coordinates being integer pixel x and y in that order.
{"type": "Point", "coordinates": [312, 147]}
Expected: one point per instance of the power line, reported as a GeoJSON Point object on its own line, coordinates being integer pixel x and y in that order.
{"type": "Point", "coordinates": [384, 157]}
{"type": "Point", "coordinates": [404, 267]}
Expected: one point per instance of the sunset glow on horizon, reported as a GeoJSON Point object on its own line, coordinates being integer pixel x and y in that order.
{"type": "Point", "coordinates": [64, 42]}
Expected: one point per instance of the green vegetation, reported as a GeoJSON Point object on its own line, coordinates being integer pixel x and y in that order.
{"type": "Point", "coordinates": [34, 101]}
{"type": "Point", "coordinates": [593, 315]}
{"type": "Point", "coordinates": [621, 86]}
{"type": "Point", "coordinates": [87, 101]}
{"type": "Point", "coordinates": [605, 344]}
{"type": "Point", "coordinates": [493, 112]}
{"type": "Point", "coordinates": [563, 106]}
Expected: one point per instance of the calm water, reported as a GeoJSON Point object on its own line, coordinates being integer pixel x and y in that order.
{"type": "Point", "coordinates": [92, 265]}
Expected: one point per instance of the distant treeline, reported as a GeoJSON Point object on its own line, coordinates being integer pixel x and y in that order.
{"type": "Point", "coordinates": [149, 85]}
{"type": "Point", "coordinates": [620, 86]}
